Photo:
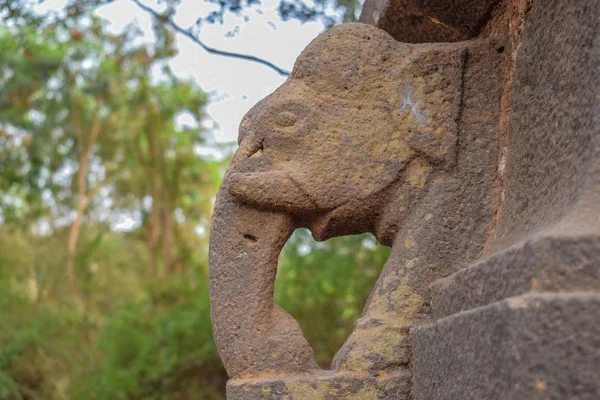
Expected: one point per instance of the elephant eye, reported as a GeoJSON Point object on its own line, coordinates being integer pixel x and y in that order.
{"type": "Point", "coordinates": [286, 118]}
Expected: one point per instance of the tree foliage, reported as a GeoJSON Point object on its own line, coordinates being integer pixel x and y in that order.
{"type": "Point", "coordinates": [105, 208]}
{"type": "Point", "coordinates": [325, 286]}
{"type": "Point", "coordinates": [328, 12]}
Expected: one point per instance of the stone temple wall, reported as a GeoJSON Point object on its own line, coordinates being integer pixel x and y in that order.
{"type": "Point", "coordinates": [524, 322]}
{"type": "Point", "coordinates": [480, 168]}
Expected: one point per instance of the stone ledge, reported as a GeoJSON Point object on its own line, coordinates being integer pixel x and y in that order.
{"type": "Point", "coordinates": [543, 264]}
{"type": "Point", "coordinates": [536, 346]}
{"type": "Point", "coordinates": [324, 386]}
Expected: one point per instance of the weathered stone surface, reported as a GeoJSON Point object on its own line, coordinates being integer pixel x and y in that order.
{"type": "Point", "coordinates": [387, 385]}
{"type": "Point", "coordinates": [444, 233]}
{"type": "Point", "coordinates": [253, 335]}
{"type": "Point", "coordinates": [363, 137]}
{"type": "Point", "coordinates": [544, 243]}
{"type": "Point", "coordinates": [358, 109]}
{"type": "Point", "coordinates": [552, 158]}
{"type": "Point", "coordinates": [564, 264]}
{"type": "Point", "coordinates": [543, 346]}
{"type": "Point", "coordinates": [419, 21]}
{"type": "Point", "coordinates": [482, 154]}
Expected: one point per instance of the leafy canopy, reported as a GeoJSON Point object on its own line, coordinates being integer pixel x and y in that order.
{"type": "Point", "coordinates": [105, 208]}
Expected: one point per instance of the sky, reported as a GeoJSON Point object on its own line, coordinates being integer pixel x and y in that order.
{"type": "Point", "coordinates": [234, 85]}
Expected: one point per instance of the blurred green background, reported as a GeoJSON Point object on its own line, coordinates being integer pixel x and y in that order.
{"type": "Point", "coordinates": [104, 217]}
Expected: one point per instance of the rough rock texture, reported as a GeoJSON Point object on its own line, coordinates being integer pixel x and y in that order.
{"type": "Point", "coordinates": [523, 323]}
{"type": "Point", "coordinates": [325, 385]}
{"type": "Point", "coordinates": [556, 263]}
{"type": "Point", "coordinates": [478, 162]}
{"type": "Point", "coordinates": [367, 135]}
{"type": "Point", "coordinates": [543, 346]}
{"type": "Point", "coordinates": [552, 162]}
{"type": "Point", "coordinates": [419, 21]}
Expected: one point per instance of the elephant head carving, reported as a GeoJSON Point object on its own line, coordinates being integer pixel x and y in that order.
{"type": "Point", "coordinates": [348, 144]}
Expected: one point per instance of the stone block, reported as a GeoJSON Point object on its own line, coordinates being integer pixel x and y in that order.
{"type": "Point", "coordinates": [536, 346]}
{"type": "Point", "coordinates": [543, 264]}
{"type": "Point", "coordinates": [552, 164]}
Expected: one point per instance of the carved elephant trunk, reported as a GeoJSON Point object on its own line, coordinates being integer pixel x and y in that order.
{"type": "Point", "coordinates": [253, 335]}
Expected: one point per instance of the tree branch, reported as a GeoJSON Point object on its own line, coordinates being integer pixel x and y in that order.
{"type": "Point", "coordinates": [188, 33]}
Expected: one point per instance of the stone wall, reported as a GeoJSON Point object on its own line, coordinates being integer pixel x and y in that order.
{"type": "Point", "coordinates": [523, 323]}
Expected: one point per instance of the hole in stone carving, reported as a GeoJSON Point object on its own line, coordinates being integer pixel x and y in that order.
{"type": "Point", "coordinates": [500, 49]}
{"type": "Point", "coordinates": [250, 238]}
{"type": "Point", "coordinates": [324, 286]}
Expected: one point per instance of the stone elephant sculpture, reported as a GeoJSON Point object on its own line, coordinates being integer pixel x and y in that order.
{"type": "Point", "coordinates": [366, 135]}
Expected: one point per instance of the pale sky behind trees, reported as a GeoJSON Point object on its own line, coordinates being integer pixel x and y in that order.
{"type": "Point", "coordinates": [234, 85]}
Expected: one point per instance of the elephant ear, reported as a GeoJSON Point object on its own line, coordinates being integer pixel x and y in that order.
{"type": "Point", "coordinates": [428, 102]}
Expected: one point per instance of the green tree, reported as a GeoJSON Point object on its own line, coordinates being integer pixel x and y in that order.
{"type": "Point", "coordinates": [104, 212]}
{"type": "Point", "coordinates": [327, 12]}
{"type": "Point", "coordinates": [90, 137]}
{"type": "Point", "coordinates": [325, 286]}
